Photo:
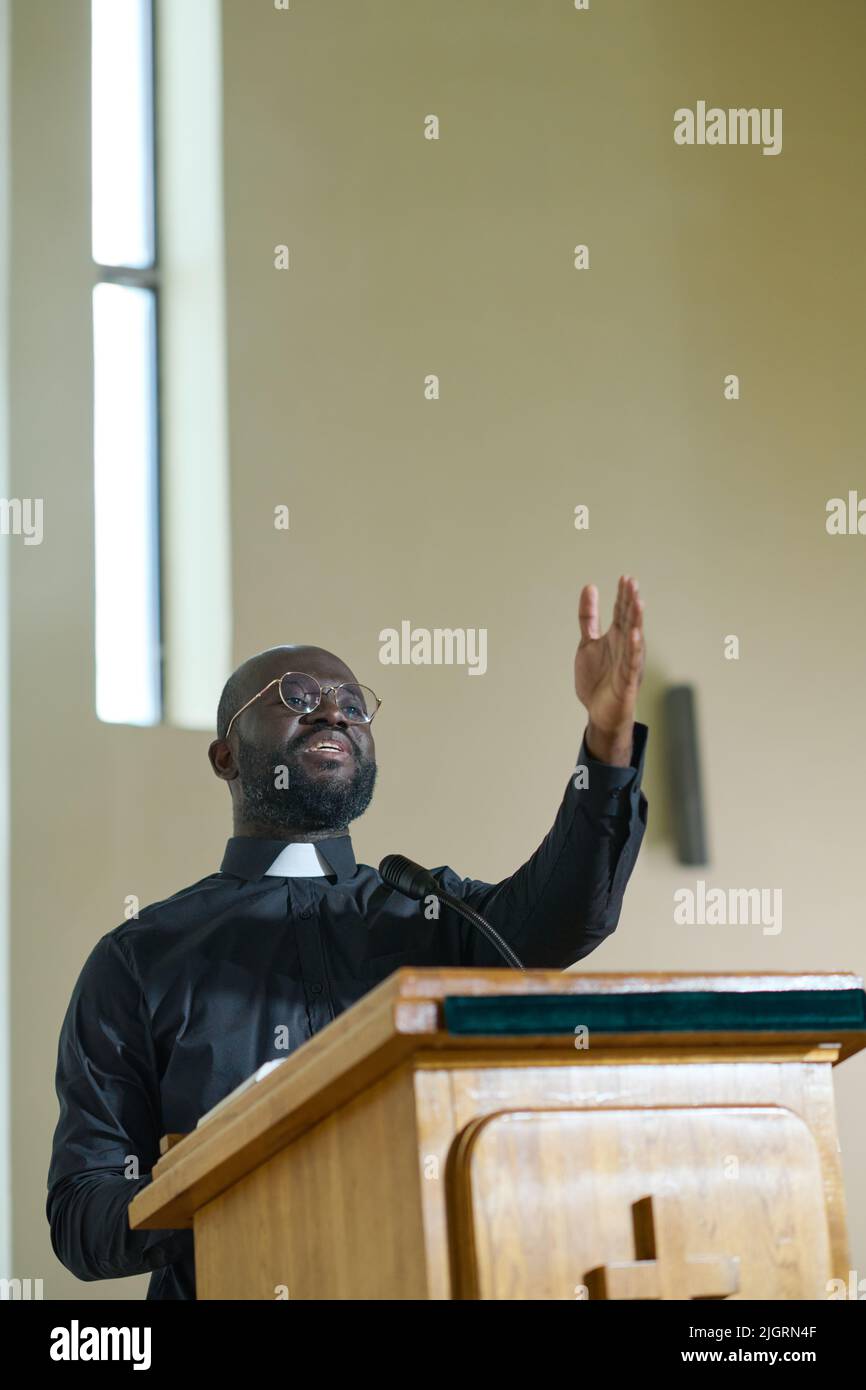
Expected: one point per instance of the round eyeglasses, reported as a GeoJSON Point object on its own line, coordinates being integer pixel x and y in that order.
{"type": "Point", "coordinates": [302, 694]}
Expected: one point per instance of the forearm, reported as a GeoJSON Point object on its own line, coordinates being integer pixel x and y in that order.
{"type": "Point", "coordinates": [568, 896]}
{"type": "Point", "coordinates": [90, 1231]}
{"type": "Point", "coordinates": [614, 748]}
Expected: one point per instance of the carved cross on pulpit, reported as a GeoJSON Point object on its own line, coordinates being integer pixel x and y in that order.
{"type": "Point", "coordinates": [662, 1268]}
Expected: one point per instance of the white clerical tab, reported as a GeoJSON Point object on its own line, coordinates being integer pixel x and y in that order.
{"type": "Point", "coordinates": [300, 860]}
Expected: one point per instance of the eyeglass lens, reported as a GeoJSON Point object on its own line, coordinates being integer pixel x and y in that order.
{"type": "Point", "coordinates": [301, 693]}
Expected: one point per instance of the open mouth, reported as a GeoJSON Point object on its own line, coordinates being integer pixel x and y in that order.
{"type": "Point", "coordinates": [328, 747]}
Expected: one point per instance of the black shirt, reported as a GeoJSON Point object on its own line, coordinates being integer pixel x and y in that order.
{"type": "Point", "coordinates": [175, 1008]}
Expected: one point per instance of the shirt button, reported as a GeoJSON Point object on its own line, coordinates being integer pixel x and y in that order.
{"type": "Point", "coordinates": [305, 912]}
{"type": "Point", "coordinates": [315, 989]}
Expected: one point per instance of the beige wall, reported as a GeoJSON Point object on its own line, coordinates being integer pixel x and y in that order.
{"type": "Point", "coordinates": [558, 387]}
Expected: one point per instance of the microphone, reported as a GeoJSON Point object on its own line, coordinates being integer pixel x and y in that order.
{"type": "Point", "coordinates": [409, 878]}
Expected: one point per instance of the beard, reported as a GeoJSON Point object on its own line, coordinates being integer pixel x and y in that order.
{"type": "Point", "coordinates": [319, 803]}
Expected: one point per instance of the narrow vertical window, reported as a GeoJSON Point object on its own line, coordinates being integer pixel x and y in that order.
{"type": "Point", "coordinates": [125, 357]}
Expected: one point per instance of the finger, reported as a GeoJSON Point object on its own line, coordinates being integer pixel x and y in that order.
{"type": "Point", "coordinates": [632, 656]}
{"type": "Point", "coordinates": [619, 605]}
{"type": "Point", "coordinates": [636, 614]}
{"type": "Point", "coordinates": [624, 605]}
{"type": "Point", "coordinates": [633, 615]}
{"type": "Point", "coordinates": [587, 612]}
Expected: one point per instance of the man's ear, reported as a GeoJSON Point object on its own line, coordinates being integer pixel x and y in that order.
{"type": "Point", "coordinates": [222, 760]}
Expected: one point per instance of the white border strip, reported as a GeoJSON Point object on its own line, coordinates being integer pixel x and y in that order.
{"type": "Point", "coordinates": [5, 942]}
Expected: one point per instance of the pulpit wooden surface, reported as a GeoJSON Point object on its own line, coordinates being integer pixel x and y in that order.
{"type": "Point", "coordinates": [403, 1154]}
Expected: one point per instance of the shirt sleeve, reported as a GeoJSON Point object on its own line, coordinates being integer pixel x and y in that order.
{"type": "Point", "coordinates": [568, 896]}
{"type": "Point", "coordinates": [107, 1137]}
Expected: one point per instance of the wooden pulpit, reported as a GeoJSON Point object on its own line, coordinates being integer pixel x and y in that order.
{"type": "Point", "coordinates": [498, 1135]}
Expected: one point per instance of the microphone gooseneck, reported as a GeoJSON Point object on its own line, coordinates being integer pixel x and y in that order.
{"type": "Point", "coordinates": [416, 882]}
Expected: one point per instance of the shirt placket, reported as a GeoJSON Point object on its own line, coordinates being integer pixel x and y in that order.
{"type": "Point", "coordinates": [302, 911]}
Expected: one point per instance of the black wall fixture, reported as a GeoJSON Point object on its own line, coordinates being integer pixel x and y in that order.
{"type": "Point", "coordinates": [684, 773]}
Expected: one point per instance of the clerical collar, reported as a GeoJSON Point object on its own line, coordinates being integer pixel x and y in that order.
{"type": "Point", "coordinates": [301, 859]}
{"type": "Point", "coordinates": [248, 857]}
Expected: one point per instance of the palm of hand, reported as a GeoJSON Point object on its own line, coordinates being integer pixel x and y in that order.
{"type": "Point", "coordinates": [608, 668]}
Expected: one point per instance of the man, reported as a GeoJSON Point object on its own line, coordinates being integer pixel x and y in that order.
{"type": "Point", "coordinates": [176, 1008]}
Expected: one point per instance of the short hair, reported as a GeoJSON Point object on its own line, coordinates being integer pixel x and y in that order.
{"type": "Point", "coordinates": [235, 696]}
{"type": "Point", "coordinates": [231, 699]}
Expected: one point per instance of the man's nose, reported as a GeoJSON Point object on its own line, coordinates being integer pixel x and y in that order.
{"type": "Point", "coordinates": [328, 709]}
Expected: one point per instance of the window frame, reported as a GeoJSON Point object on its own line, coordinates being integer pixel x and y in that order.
{"type": "Point", "coordinates": [148, 278]}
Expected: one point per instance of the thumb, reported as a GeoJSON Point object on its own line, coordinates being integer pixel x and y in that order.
{"type": "Point", "coordinates": [587, 613]}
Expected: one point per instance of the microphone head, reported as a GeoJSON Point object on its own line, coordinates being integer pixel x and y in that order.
{"type": "Point", "coordinates": [408, 877]}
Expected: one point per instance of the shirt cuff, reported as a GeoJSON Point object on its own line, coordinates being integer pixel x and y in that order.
{"type": "Point", "coordinates": [605, 787]}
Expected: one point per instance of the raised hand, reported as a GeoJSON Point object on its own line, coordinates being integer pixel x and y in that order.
{"type": "Point", "coordinates": [608, 670]}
